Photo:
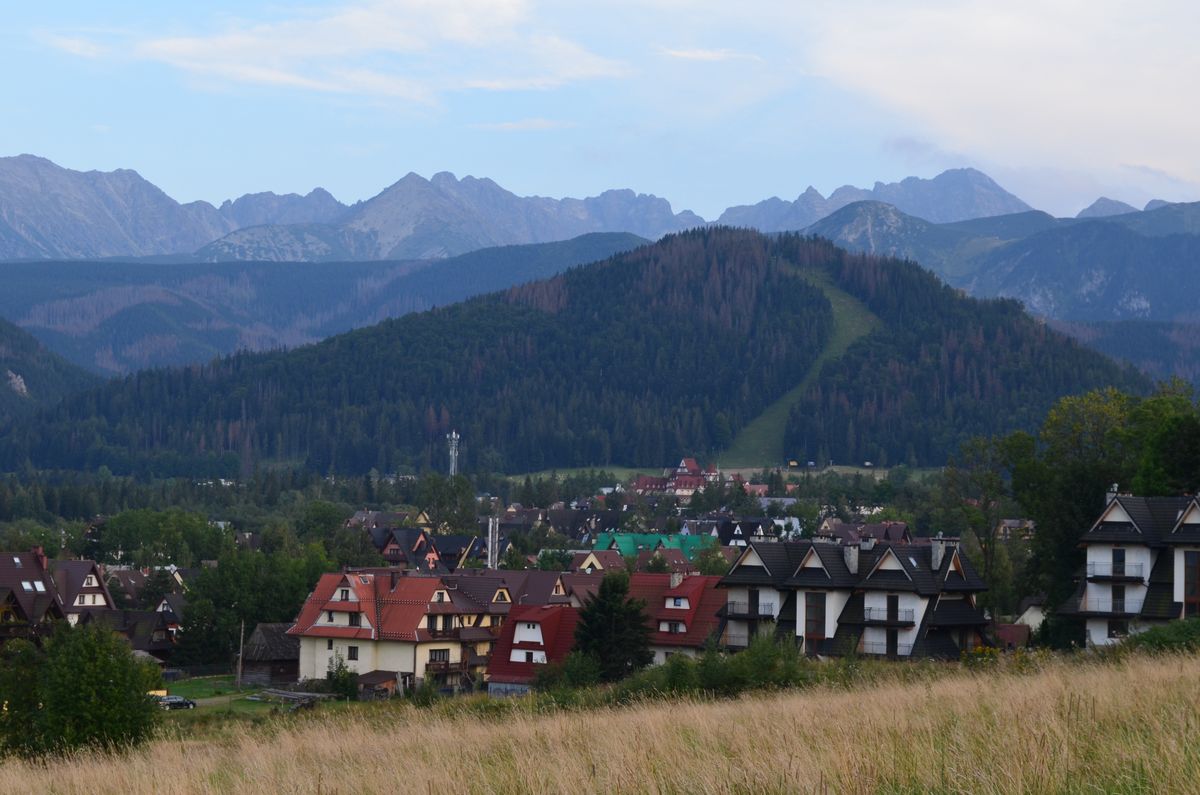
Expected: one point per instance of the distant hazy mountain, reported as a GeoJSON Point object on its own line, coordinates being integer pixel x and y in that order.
{"type": "Point", "coordinates": [444, 216]}
{"type": "Point", "coordinates": [50, 212]}
{"type": "Point", "coordinates": [116, 317]}
{"type": "Point", "coordinates": [1104, 207]}
{"type": "Point", "coordinates": [1154, 204]}
{"type": "Point", "coordinates": [954, 195]}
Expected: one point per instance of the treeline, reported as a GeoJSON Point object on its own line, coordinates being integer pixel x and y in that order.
{"type": "Point", "coordinates": [943, 369]}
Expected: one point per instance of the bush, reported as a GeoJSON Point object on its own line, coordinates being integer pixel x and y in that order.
{"type": "Point", "coordinates": [84, 689]}
{"type": "Point", "coordinates": [340, 679]}
{"type": "Point", "coordinates": [1174, 636]}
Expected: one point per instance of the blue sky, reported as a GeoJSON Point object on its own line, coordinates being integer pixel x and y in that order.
{"type": "Point", "coordinates": [706, 104]}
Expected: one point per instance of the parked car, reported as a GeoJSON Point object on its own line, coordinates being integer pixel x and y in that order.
{"type": "Point", "coordinates": [176, 702]}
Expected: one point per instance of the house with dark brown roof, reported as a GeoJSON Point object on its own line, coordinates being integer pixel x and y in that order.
{"type": "Point", "coordinates": [598, 560]}
{"type": "Point", "coordinates": [1142, 567]}
{"type": "Point", "coordinates": [271, 656]}
{"type": "Point", "coordinates": [29, 598]}
{"type": "Point", "coordinates": [81, 585]}
{"type": "Point", "coordinates": [870, 598]}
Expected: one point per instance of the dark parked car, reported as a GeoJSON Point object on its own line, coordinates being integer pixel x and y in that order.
{"type": "Point", "coordinates": [176, 702]}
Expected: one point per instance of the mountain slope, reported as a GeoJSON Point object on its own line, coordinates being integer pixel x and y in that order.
{"type": "Point", "coordinates": [115, 317]}
{"type": "Point", "coordinates": [32, 377]}
{"type": "Point", "coordinates": [953, 195]}
{"type": "Point", "coordinates": [666, 350]}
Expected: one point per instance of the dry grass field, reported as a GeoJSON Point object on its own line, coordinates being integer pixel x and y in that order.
{"type": "Point", "coordinates": [1126, 726]}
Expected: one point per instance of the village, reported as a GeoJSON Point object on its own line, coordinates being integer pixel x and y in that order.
{"type": "Point", "coordinates": [465, 613]}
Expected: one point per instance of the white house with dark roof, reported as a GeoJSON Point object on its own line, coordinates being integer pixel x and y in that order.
{"type": "Point", "coordinates": [893, 600]}
{"type": "Point", "coordinates": [1141, 568]}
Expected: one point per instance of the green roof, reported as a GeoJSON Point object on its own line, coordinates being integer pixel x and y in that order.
{"type": "Point", "coordinates": [632, 543]}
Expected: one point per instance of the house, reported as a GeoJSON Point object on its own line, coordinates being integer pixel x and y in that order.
{"type": "Point", "coordinates": [125, 586]}
{"type": "Point", "coordinates": [630, 544]}
{"type": "Point", "coordinates": [271, 656]}
{"type": "Point", "coordinates": [598, 560]}
{"type": "Point", "coordinates": [853, 532]}
{"type": "Point", "coordinates": [29, 599]}
{"type": "Point", "coordinates": [80, 584]}
{"type": "Point", "coordinates": [1031, 612]}
{"type": "Point", "coordinates": [683, 612]}
{"type": "Point", "coordinates": [535, 636]}
{"type": "Point", "coordinates": [872, 598]}
{"type": "Point", "coordinates": [417, 625]}
{"type": "Point", "coordinates": [1142, 567]}
{"type": "Point", "coordinates": [408, 548]}
{"type": "Point", "coordinates": [147, 631]}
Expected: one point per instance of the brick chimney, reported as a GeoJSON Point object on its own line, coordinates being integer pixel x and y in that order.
{"type": "Point", "coordinates": [39, 554]}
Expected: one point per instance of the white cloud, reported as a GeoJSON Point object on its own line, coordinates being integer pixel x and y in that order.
{"type": "Point", "coordinates": [1075, 85]}
{"type": "Point", "coordinates": [76, 45]}
{"type": "Point", "coordinates": [409, 49]}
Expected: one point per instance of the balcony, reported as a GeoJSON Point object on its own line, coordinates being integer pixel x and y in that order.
{"type": "Point", "coordinates": [444, 633]}
{"type": "Point", "coordinates": [737, 640]}
{"type": "Point", "coordinates": [443, 666]}
{"type": "Point", "coordinates": [1120, 572]}
{"type": "Point", "coordinates": [881, 648]}
{"type": "Point", "coordinates": [746, 610]}
{"type": "Point", "coordinates": [1111, 607]}
{"type": "Point", "coordinates": [882, 617]}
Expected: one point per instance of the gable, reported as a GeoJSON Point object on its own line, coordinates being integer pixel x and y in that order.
{"type": "Point", "coordinates": [889, 562]}
{"type": "Point", "coordinates": [751, 558]}
{"type": "Point", "coordinates": [1115, 513]}
{"type": "Point", "coordinates": [1191, 516]}
{"type": "Point", "coordinates": [813, 561]}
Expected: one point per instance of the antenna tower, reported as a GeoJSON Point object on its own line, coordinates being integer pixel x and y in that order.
{"type": "Point", "coordinates": [453, 438]}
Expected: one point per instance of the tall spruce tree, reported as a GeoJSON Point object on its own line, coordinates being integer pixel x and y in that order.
{"type": "Point", "coordinates": [613, 629]}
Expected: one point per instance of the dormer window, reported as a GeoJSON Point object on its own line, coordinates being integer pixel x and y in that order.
{"type": "Point", "coordinates": [329, 616]}
{"type": "Point", "coordinates": [16, 561]}
{"type": "Point", "coordinates": [440, 596]}
{"type": "Point", "coordinates": [89, 581]}
{"type": "Point", "coordinates": [677, 602]}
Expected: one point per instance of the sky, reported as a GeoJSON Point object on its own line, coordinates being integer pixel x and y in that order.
{"type": "Point", "coordinates": [707, 104]}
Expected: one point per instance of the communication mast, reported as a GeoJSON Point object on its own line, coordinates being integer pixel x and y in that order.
{"type": "Point", "coordinates": [453, 438]}
{"type": "Point", "coordinates": [493, 547]}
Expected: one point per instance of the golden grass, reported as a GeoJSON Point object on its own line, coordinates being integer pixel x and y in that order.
{"type": "Point", "coordinates": [1126, 726]}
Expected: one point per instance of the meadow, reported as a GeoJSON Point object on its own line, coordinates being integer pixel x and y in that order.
{"type": "Point", "coordinates": [1129, 724]}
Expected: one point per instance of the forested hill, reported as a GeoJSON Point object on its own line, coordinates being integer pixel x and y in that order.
{"type": "Point", "coordinates": [666, 350]}
{"type": "Point", "coordinates": [31, 376]}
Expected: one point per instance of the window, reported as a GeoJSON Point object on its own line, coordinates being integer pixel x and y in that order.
{"type": "Point", "coordinates": [440, 596]}
{"type": "Point", "coordinates": [356, 619]}
{"type": "Point", "coordinates": [1118, 598]}
{"type": "Point", "coordinates": [89, 581]}
{"type": "Point", "coordinates": [329, 616]}
{"type": "Point", "coordinates": [528, 656]}
{"type": "Point", "coordinates": [530, 626]}
{"type": "Point", "coordinates": [814, 620]}
{"type": "Point", "coordinates": [675, 627]}
{"type": "Point", "coordinates": [329, 644]}
{"type": "Point", "coordinates": [351, 652]}
{"type": "Point", "coordinates": [1118, 628]}
{"type": "Point", "coordinates": [1118, 562]}
{"type": "Point", "coordinates": [677, 601]}
{"type": "Point", "coordinates": [79, 599]}
{"type": "Point", "coordinates": [26, 585]}
{"type": "Point", "coordinates": [39, 586]}
{"type": "Point", "coordinates": [439, 655]}
{"type": "Point", "coordinates": [16, 562]}
{"type": "Point", "coordinates": [344, 595]}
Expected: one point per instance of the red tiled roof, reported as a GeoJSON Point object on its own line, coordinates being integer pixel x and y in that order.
{"type": "Point", "coordinates": [393, 614]}
{"type": "Point", "coordinates": [676, 560]}
{"type": "Point", "coordinates": [558, 632]}
{"type": "Point", "coordinates": [700, 617]}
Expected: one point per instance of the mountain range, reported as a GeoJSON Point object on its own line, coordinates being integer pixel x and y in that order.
{"type": "Point", "coordinates": [50, 212]}
{"type": "Point", "coordinates": [675, 348]}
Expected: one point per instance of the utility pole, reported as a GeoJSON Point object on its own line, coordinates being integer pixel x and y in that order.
{"type": "Point", "coordinates": [493, 549]}
{"type": "Point", "coordinates": [241, 645]}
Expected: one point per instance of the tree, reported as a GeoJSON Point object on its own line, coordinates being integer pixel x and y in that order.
{"type": "Point", "coordinates": [554, 560]}
{"type": "Point", "coordinates": [657, 564]}
{"type": "Point", "coordinates": [513, 560]}
{"type": "Point", "coordinates": [84, 690]}
{"type": "Point", "coordinates": [711, 561]}
{"type": "Point", "coordinates": [341, 679]}
{"type": "Point", "coordinates": [160, 583]}
{"type": "Point", "coordinates": [613, 629]}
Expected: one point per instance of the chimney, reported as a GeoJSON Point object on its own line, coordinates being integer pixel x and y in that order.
{"type": "Point", "coordinates": [676, 579]}
{"type": "Point", "coordinates": [1113, 491]}
{"type": "Point", "coordinates": [937, 551]}
{"type": "Point", "coordinates": [39, 554]}
{"type": "Point", "coordinates": [394, 574]}
{"type": "Point", "coordinates": [850, 553]}
{"type": "Point", "coordinates": [867, 544]}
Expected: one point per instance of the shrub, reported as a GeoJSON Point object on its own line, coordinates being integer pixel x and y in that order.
{"type": "Point", "coordinates": [1174, 636]}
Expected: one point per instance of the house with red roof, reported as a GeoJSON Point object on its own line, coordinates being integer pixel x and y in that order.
{"type": "Point", "coordinates": [533, 637]}
{"type": "Point", "coordinates": [598, 560]}
{"type": "Point", "coordinates": [683, 611]}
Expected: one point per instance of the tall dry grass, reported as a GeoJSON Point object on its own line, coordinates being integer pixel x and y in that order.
{"type": "Point", "coordinates": [1127, 726]}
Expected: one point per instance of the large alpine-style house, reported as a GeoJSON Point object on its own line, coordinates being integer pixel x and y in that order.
{"type": "Point", "coordinates": [1142, 567]}
{"type": "Point", "coordinates": [873, 598]}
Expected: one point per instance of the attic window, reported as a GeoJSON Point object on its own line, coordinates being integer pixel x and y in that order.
{"type": "Point", "coordinates": [39, 586]}
{"type": "Point", "coordinates": [363, 580]}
